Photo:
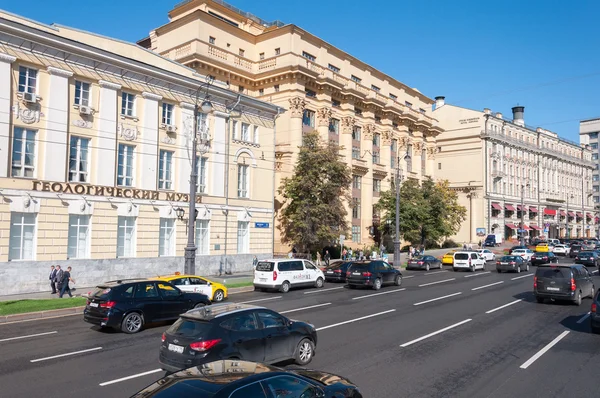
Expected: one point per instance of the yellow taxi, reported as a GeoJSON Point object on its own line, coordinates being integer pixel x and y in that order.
{"type": "Point", "coordinates": [542, 247]}
{"type": "Point", "coordinates": [215, 291]}
{"type": "Point", "coordinates": [448, 258]}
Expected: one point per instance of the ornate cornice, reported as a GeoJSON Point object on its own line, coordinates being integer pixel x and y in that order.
{"type": "Point", "coordinates": [152, 96]}
{"type": "Point", "coordinates": [7, 58]}
{"type": "Point", "coordinates": [297, 105]}
{"type": "Point", "coordinates": [369, 131]}
{"type": "Point", "coordinates": [323, 116]}
{"type": "Point", "coordinates": [59, 72]}
{"type": "Point", "coordinates": [111, 85]}
{"type": "Point", "coordinates": [418, 146]}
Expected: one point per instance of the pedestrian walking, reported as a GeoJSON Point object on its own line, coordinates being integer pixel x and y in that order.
{"type": "Point", "coordinates": [318, 259]}
{"type": "Point", "coordinates": [65, 283]}
{"type": "Point", "coordinates": [327, 257]}
{"type": "Point", "coordinates": [58, 277]}
{"type": "Point", "coordinates": [254, 262]}
{"type": "Point", "coordinates": [422, 250]}
{"type": "Point", "coordinates": [52, 277]}
{"type": "Point", "coordinates": [344, 254]}
{"type": "Point", "coordinates": [350, 254]}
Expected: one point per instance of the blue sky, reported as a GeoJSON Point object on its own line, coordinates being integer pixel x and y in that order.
{"type": "Point", "coordinates": [542, 54]}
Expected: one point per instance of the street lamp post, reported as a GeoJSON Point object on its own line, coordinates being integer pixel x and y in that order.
{"type": "Point", "coordinates": [567, 224]}
{"type": "Point", "coordinates": [523, 213]}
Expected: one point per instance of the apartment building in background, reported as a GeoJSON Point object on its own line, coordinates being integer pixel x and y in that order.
{"type": "Point", "coordinates": [95, 161]}
{"type": "Point", "coordinates": [496, 163]}
{"type": "Point", "coordinates": [588, 135]}
{"type": "Point", "coordinates": [374, 117]}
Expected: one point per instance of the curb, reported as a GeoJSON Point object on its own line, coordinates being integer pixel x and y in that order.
{"type": "Point", "coordinates": [235, 290]}
{"type": "Point", "coordinates": [41, 314]}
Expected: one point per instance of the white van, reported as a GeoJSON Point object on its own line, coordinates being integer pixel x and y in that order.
{"type": "Point", "coordinates": [468, 260]}
{"type": "Point", "coordinates": [283, 274]}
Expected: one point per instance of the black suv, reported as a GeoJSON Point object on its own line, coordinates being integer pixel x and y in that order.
{"type": "Point", "coordinates": [130, 304]}
{"type": "Point", "coordinates": [589, 258]}
{"type": "Point", "coordinates": [575, 249]}
{"type": "Point", "coordinates": [235, 331]}
{"type": "Point", "coordinates": [242, 379]}
{"type": "Point", "coordinates": [544, 258]}
{"type": "Point", "coordinates": [373, 273]}
{"type": "Point", "coordinates": [563, 282]}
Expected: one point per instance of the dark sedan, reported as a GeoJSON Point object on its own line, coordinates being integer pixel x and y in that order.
{"type": "Point", "coordinates": [511, 264]}
{"type": "Point", "coordinates": [544, 258]}
{"type": "Point", "coordinates": [242, 379]}
{"type": "Point", "coordinates": [424, 262]}
{"type": "Point", "coordinates": [131, 304]}
{"type": "Point", "coordinates": [588, 258]}
{"type": "Point", "coordinates": [336, 271]}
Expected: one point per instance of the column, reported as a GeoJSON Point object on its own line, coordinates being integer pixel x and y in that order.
{"type": "Point", "coordinates": [346, 126]}
{"type": "Point", "coordinates": [385, 154]}
{"type": "Point", "coordinates": [57, 126]}
{"type": "Point", "coordinates": [5, 111]}
{"type": "Point", "coordinates": [297, 105]}
{"type": "Point", "coordinates": [323, 118]}
{"type": "Point", "coordinates": [366, 199]}
{"type": "Point", "coordinates": [219, 162]}
{"type": "Point", "coordinates": [105, 155]}
{"type": "Point", "coordinates": [184, 145]}
{"type": "Point", "coordinates": [148, 152]}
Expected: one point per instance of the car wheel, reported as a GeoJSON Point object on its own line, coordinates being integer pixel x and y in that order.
{"type": "Point", "coordinates": [218, 296]}
{"type": "Point", "coordinates": [200, 305]}
{"type": "Point", "coordinates": [398, 280]}
{"type": "Point", "coordinates": [285, 287]}
{"type": "Point", "coordinates": [498, 271]}
{"type": "Point", "coordinates": [518, 269]}
{"type": "Point", "coordinates": [377, 284]}
{"type": "Point", "coordinates": [426, 267]}
{"type": "Point", "coordinates": [577, 300]}
{"type": "Point", "coordinates": [454, 269]}
{"type": "Point", "coordinates": [319, 282]}
{"type": "Point", "coordinates": [539, 300]}
{"type": "Point", "coordinates": [351, 286]}
{"type": "Point", "coordinates": [527, 267]}
{"type": "Point", "coordinates": [473, 268]}
{"type": "Point", "coordinates": [593, 292]}
{"type": "Point", "coordinates": [132, 323]}
{"type": "Point", "coordinates": [441, 266]}
{"type": "Point", "coordinates": [304, 352]}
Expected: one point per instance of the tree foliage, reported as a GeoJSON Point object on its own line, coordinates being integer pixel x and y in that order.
{"type": "Point", "coordinates": [313, 214]}
{"type": "Point", "coordinates": [429, 212]}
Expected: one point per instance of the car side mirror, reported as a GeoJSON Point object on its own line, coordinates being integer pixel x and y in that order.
{"type": "Point", "coordinates": [209, 284]}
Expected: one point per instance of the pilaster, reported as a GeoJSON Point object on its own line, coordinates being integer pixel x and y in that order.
{"type": "Point", "coordinates": [5, 111]}
{"type": "Point", "coordinates": [105, 156]}
{"type": "Point", "coordinates": [323, 118]}
{"type": "Point", "coordinates": [218, 161]}
{"type": "Point", "coordinates": [367, 182]}
{"type": "Point", "coordinates": [184, 146]}
{"type": "Point", "coordinates": [296, 109]}
{"type": "Point", "coordinates": [148, 152]}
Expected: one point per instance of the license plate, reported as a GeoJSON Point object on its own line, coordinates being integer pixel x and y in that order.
{"type": "Point", "coordinates": [583, 258]}
{"type": "Point", "coordinates": [263, 279]}
{"type": "Point", "coordinates": [356, 273]}
{"type": "Point", "coordinates": [553, 289]}
{"type": "Point", "coordinates": [330, 272]}
{"type": "Point", "coordinates": [503, 263]}
{"type": "Point", "coordinates": [93, 304]}
{"type": "Point", "coordinates": [176, 348]}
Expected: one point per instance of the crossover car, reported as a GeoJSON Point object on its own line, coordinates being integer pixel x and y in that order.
{"type": "Point", "coordinates": [235, 331]}
{"type": "Point", "coordinates": [525, 253]}
{"type": "Point", "coordinates": [487, 254]}
{"type": "Point", "coordinates": [588, 258]}
{"type": "Point", "coordinates": [513, 263]}
{"type": "Point", "coordinates": [131, 304]}
{"type": "Point", "coordinates": [424, 262]}
{"type": "Point", "coordinates": [284, 274]}
{"type": "Point", "coordinates": [468, 260]}
{"type": "Point", "coordinates": [244, 379]}
{"type": "Point", "coordinates": [336, 271]}
{"type": "Point", "coordinates": [215, 291]}
{"type": "Point", "coordinates": [562, 250]}
{"type": "Point", "coordinates": [372, 273]}
{"type": "Point", "coordinates": [544, 258]}
{"type": "Point", "coordinates": [563, 282]}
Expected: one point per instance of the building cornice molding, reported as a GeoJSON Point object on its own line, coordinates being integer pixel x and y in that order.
{"type": "Point", "coordinates": [7, 58]}
{"type": "Point", "coordinates": [187, 105]}
{"type": "Point", "coordinates": [152, 96]}
{"type": "Point", "coordinates": [59, 72]}
{"type": "Point", "coordinates": [111, 85]}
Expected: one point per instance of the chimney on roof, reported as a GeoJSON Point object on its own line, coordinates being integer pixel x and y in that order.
{"type": "Point", "coordinates": [518, 112]}
{"type": "Point", "coordinates": [439, 101]}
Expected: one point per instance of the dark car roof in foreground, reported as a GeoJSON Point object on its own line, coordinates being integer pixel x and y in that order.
{"type": "Point", "coordinates": [218, 310]}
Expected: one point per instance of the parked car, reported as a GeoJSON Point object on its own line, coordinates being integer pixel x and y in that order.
{"type": "Point", "coordinates": [544, 258]}
{"type": "Point", "coordinates": [487, 254]}
{"type": "Point", "coordinates": [514, 263]}
{"type": "Point", "coordinates": [518, 247]}
{"type": "Point", "coordinates": [590, 258]}
{"type": "Point", "coordinates": [448, 258]}
{"type": "Point", "coordinates": [563, 282]}
{"type": "Point", "coordinates": [372, 273]}
{"type": "Point", "coordinates": [244, 379]}
{"type": "Point", "coordinates": [131, 304]}
{"type": "Point", "coordinates": [525, 253]}
{"type": "Point", "coordinates": [235, 331]}
{"type": "Point", "coordinates": [468, 260]}
{"type": "Point", "coordinates": [336, 271]}
{"type": "Point", "coordinates": [562, 250]}
{"type": "Point", "coordinates": [424, 262]}
{"type": "Point", "coordinates": [284, 274]}
{"type": "Point", "coordinates": [215, 291]}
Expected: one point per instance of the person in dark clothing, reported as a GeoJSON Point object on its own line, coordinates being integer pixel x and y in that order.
{"type": "Point", "coordinates": [65, 283]}
{"type": "Point", "coordinates": [327, 257]}
{"type": "Point", "coordinates": [58, 277]}
{"type": "Point", "coordinates": [52, 278]}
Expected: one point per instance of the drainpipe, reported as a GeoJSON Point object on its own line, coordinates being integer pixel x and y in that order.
{"type": "Point", "coordinates": [274, 179]}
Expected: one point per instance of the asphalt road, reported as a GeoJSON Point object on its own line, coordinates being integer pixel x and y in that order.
{"type": "Point", "coordinates": [441, 334]}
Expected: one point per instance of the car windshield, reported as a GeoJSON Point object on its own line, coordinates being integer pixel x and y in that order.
{"type": "Point", "coordinates": [335, 265]}
{"type": "Point", "coordinates": [265, 266]}
{"type": "Point", "coordinates": [358, 267]}
{"type": "Point", "coordinates": [461, 256]}
{"type": "Point", "coordinates": [419, 258]}
{"type": "Point", "coordinates": [553, 273]}
{"type": "Point", "coordinates": [101, 293]}
{"type": "Point", "coordinates": [583, 254]}
{"type": "Point", "coordinates": [509, 258]}
{"type": "Point", "coordinates": [189, 328]}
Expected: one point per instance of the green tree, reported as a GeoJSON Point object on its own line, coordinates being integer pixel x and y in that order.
{"type": "Point", "coordinates": [313, 213]}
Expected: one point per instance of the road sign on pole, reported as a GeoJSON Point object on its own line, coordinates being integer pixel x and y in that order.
{"type": "Point", "coordinates": [342, 237]}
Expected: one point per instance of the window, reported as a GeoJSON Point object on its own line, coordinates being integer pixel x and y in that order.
{"type": "Point", "coordinates": [125, 166]}
{"type": "Point", "coordinates": [394, 97]}
{"type": "Point", "coordinates": [310, 93]}
{"type": "Point", "coordinates": [254, 390]}
{"type": "Point", "coordinates": [22, 236]}
{"type": "Point", "coordinates": [334, 126]}
{"type": "Point", "coordinates": [164, 169]}
{"type": "Point", "coordinates": [596, 188]}
{"type": "Point", "coordinates": [202, 181]}
{"type": "Point", "coordinates": [79, 236]}
{"type": "Point", "coordinates": [378, 119]}
{"type": "Point", "coordinates": [82, 93]}
{"type": "Point", "coordinates": [243, 242]}
{"type": "Point", "coordinates": [78, 159]}
{"type": "Point", "coordinates": [261, 91]}
{"type": "Point", "coordinates": [202, 236]}
{"type": "Point", "coordinates": [594, 135]}
{"type": "Point", "coordinates": [355, 207]}
{"type": "Point", "coordinates": [355, 152]}
{"type": "Point", "coordinates": [308, 118]}
{"type": "Point", "coordinates": [423, 161]}
{"type": "Point", "coordinates": [376, 157]}
{"type": "Point", "coordinates": [440, 167]}
{"type": "Point", "coordinates": [146, 290]}
{"type": "Point", "coordinates": [335, 103]}
{"type": "Point", "coordinates": [243, 181]}
{"type": "Point", "coordinates": [276, 88]}
{"type": "Point", "coordinates": [261, 56]}
{"type": "Point", "coordinates": [393, 161]}
{"type": "Point", "coordinates": [376, 140]}
{"type": "Point", "coordinates": [375, 88]}
{"type": "Point", "coordinates": [241, 89]}
{"type": "Point", "coordinates": [357, 111]}
{"type": "Point", "coordinates": [277, 51]}
{"type": "Point", "coordinates": [126, 237]}
{"type": "Point", "coordinates": [356, 233]}
{"type": "Point", "coordinates": [128, 104]}
{"type": "Point", "coordinates": [376, 185]}
{"type": "Point", "coordinates": [422, 110]}
{"type": "Point", "coordinates": [23, 153]}
{"type": "Point", "coordinates": [394, 145]}
{"type": "Point", "coordinates": [211, 40]}
{"type": "Point", "coordinates": [308, 56]}
{"type": "Point", "coordinates": [334, 68]}
{"type": "Point", "coordinates": [245, 132]}
{"type": "Point", "coordinates": [242, 52]}
{"type": "Point", "coordinates": [167, 290]}
{"type": "Point", "coordinates": [594, 156]}
{"type": "Point", "coordinates": [409, 157]}
{"type": "Point", "coordinates": [356, 181]}
{"type": "Point", "coordinates": [27, 80]}
{"type": "Point", "coordinates": [270, 320]}
{"type": "Point", "coordinates": [166, 239]}
{"type": "Point", "coordinates": [356, 133]}
{"type": "Point", "coordinates": [202, 126]}
{"type": "Point", "coordinates": [355, 79]}
{"type": "Point", "coordinates": [255, 134]}
{"type": "Point", "coordinates": [167, 114]}
{"type": "Point", "coordinates": [408, 104]}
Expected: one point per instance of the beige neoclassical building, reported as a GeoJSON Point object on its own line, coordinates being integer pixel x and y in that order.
{"type": "Point", "coordinates": [374, 117]}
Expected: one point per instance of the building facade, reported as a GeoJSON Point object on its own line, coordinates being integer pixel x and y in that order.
{"type": "Point", "coordinates": [506, 172]}
{"type": "Point", "coordinates": [95, 162]}
{"type": "Point", "coordinates": [588, 135]}
{"type": "Point", "coordinates": [373, 117]}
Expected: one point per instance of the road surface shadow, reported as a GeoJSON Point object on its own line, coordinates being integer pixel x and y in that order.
{"type": "Point", "coordinates": [571, 323]}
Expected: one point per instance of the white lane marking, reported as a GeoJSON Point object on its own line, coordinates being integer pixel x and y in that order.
{"type": "Point", "coordinates": [406, 277]}
{"type": "Point", "coordinates": [354, 320]}
{"type": "Point", "coordinates": [583, 318]}
{"type": "Point", "coordinates": [39, 319]}
{"type": "Point", "coordinates": [519, 277]}
{"type": "Point", "coordinates": [435, 333]}
{"type": "Point", "coordinates": [66, 355]}
{"type": "Point", "coordinates": [30, 335]}
{"type": "Point", "coordinates": [378, 294]}
{"type": "Point", "coordinates": [304, 308]}
{"type": "Point", "coordinates": [481, 273]}
{"type": "Point", "coordinates": [324, 290]}
{"type": "Point", "coordinates": [593, 272]}
{"type": "Point", "coordinates": [106, 383]}
{"type": "Point", "coordinates": [544, 350]}
{"type": "Point", "coordinates": [439, 298]}
{"type": "Point", "coordinates": [504, 306]}
{"type": "Point", "coordinates": [264, 299]}
{"type": "Point", "coordinates": [436, 272]}
{"type": "Point", "coordinates": [484, 286]}
{"type": "Point", "coordinates": [435, 283]}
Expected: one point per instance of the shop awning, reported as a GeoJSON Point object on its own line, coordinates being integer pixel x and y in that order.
{"type": "Point", "coordinates": [571, 214]}
{"type": "Point", "coordinates": [510, 208]}
{"type": "Point", "coordinates": [563, 213]}
{"type": "Point", "coordinates": [588, 215]}
{"type": "Point", "coordinates": [549, 212]}
{"type": "Point", "coordinates": [597, 219]}
{"type": "Point", "coordinates": [533, 209]}
{"type": "Point", "coordinates": [519, 207]}
{"type": "Point", "coordinates": [579, 215]}
{"type": "Point", "coordinates": [511, 226]}
{"type": "Point", "coordinates": [496, 206]}
{"type": "Point", "coordinates": [536, 227]}
{"type": "Point", "coordinates": [526, 228]}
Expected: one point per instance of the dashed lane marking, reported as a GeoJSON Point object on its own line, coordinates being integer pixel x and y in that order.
{"type": "Point", "coordinates": [28, 336]}
{"type": "Point", "coordinates": [304, 308]}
